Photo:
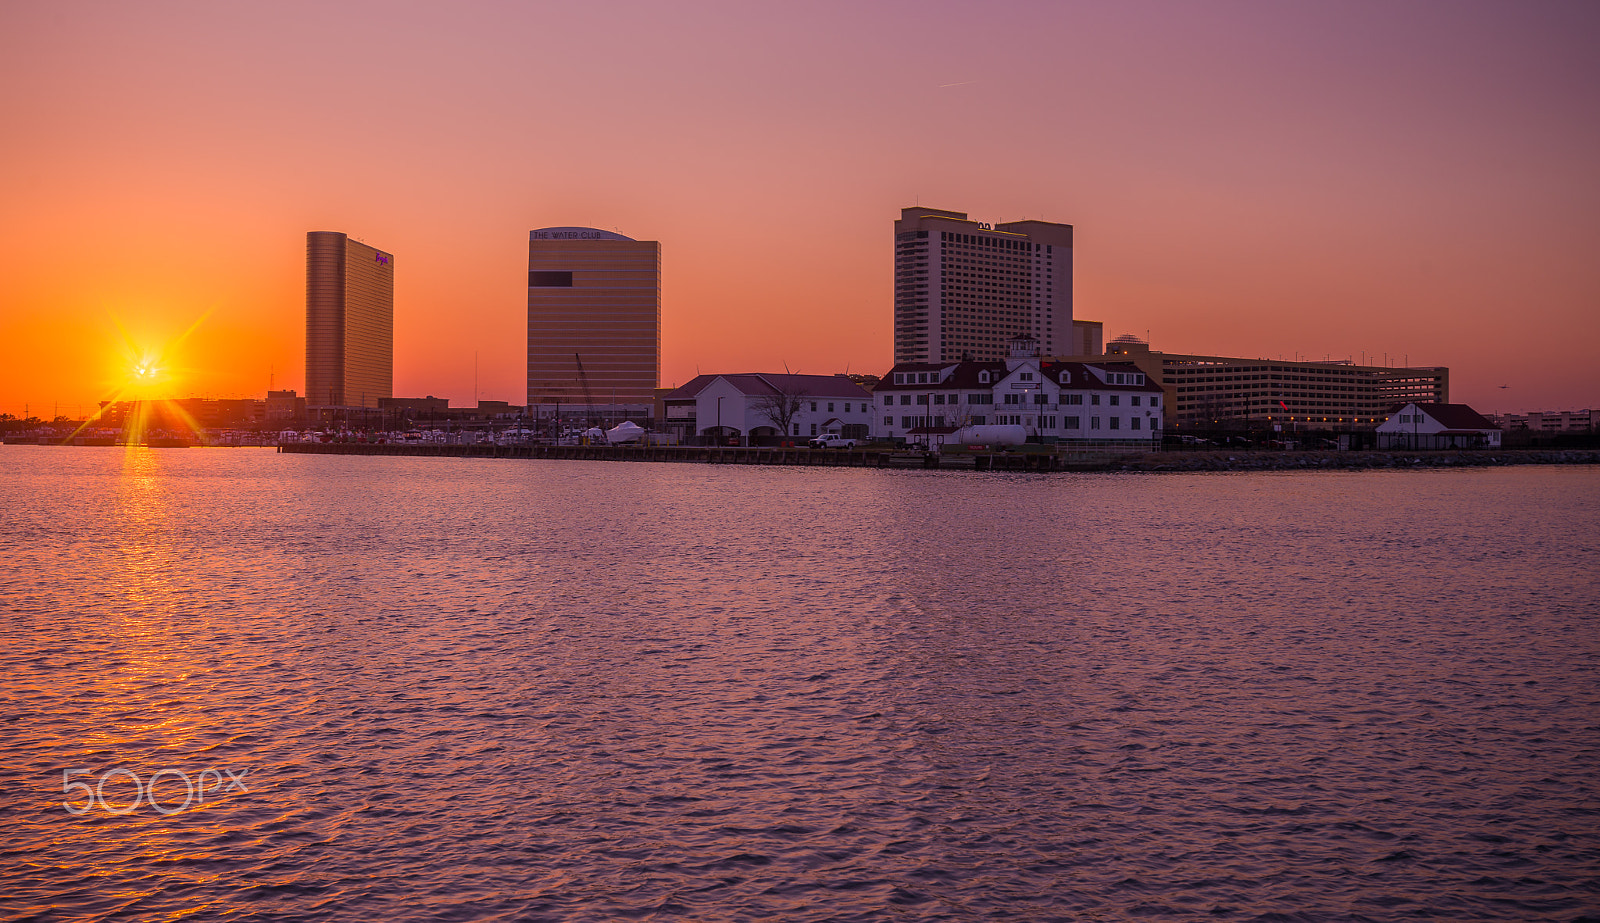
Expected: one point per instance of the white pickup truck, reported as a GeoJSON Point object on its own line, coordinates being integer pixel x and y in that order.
{"type": "Point", "coordinates": [832, 441]}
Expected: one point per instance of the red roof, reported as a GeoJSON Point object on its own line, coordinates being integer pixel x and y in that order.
{"type": "Point", "coordinates": [965, 376]}
{"type": "Point", "coordinates": [1456, 416]}
{"type": "Point", "coordinates": [754, 383]}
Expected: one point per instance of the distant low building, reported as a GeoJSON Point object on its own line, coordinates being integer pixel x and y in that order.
{"type": "Point", "coordinates": [414, 405]}
{"type": "Point", "coordinates": [284, 408]}
{"type": "Point", "coordinates": [1054, 401]}
{"type": "Point", "coordinates": [1204, 392]}
{"type": "Point", "coordinates": [1437, 426]}
{"type": "Point", "coordinates": [1547, 421]}
{"type": "Point", "coordinates": [757, 408]}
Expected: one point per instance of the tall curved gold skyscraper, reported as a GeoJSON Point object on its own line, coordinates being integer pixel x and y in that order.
{"type": "Point", "coordinates": [349, 322]}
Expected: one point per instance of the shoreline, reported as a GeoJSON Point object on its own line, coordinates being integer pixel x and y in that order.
{"type": "Point", "coordinates": [1181, 461]}
{"type": "Point", "coordinates": [1353, 460]}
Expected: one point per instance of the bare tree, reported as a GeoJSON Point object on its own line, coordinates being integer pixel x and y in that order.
{"type": "Point", "coordinates": [784, 402]}
{"type": "Point", "coordinates": [957, 414]}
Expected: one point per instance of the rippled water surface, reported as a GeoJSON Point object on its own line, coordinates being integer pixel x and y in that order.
{"type": "Point", "coordinates": [460, 689]}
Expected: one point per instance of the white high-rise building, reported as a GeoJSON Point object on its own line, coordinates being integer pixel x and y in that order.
{"type": "Point", "coordinates": [963, 288]}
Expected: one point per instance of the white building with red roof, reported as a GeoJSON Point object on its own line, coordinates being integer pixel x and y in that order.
{"type": "Point", "coordinates": [1052, 401]}
{"type": "Point", "coordinates": [1437, 426]}
{"type": "Point", "coordinates": [767, 407]}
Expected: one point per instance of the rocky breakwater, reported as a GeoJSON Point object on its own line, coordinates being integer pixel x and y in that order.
{"type": "Point", "coordinates": [1294, 461]}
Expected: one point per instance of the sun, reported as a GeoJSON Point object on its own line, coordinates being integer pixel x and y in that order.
{"type": "Point", "coordinates": [145, 375]}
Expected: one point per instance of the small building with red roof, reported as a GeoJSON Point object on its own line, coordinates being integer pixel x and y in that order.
{"type": "Point", "coordinates": [1437, 426]}
{"type": "Point", "coordinates": [767, 407]}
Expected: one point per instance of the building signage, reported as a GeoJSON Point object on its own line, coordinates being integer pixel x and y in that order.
{"type": "Point", "coordinates": [574, 234]}
{"type": "Point", "coordinates": [382, 258]}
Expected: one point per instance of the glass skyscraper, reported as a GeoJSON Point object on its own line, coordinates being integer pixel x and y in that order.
{"type": "Point", "coordinates": [594, 318]}
{"type": "Point", "coordinates": [349, 322]}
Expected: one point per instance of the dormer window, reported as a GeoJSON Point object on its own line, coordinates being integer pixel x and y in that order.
{"type": "Point", "coordinates": [1066, 378]}
{"type": "Point", "coordinates": [983, 378]}
{"type": "Point", "coordinates": [1138, 379]}
{"type": "Point", "coordinates": [899, 378]}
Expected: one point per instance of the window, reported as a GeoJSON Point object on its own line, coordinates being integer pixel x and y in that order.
{"type": "Point", "coordinates": [1095, 400]}
{"type": "Point", "coordinates": [1135, 400]}
{"type": "Point", "coordinates": [1072, 399]}
{"type": "Point", "coordinates": [813, 428]}
{"type": "Point", "coordinates": [830, 406]}
{"type": "Point", "coordinates": [1115, 400]}
{"type": "Point", "coordinates": [796, 429]}
{"type": "Point", "coordinates": [847, 408]}
{"type": "Point", "coordinates": [1094, 422]}
{"type": "Point", "coordinates": [1026, 376]}
{"type": "Point", "coordinates": [983, 378]}
{"type": "Point", "coordinates": [813, 406]}
{"type": "Point", "coordinates": [922, 399]}
{"type": "Point", "coordinates": [979, 420]}
{"type": "Point", "coordinates": [549, 280]}
{"type": "Point", "coordinates": [905, 399]}
{"type": "Point", "coordinates": [899, 378]}
{"type": "Point", "coordinates": [905, 422]}
{"type": "Point", "coordinates": [1134, 423]}
{"type": "Point", "coordinates": [1012, 399]}
{"type": "Point", "coordinates": [888, 400]}
{"type": "Point", "coordinates": [938, 398]}
{"type": "Point", "coordinates": [1116, 422]}
{"type": "Point", "coordinates": [888, 421]}
{"type": "Point", "coordinates": [1072, 423]}
{"type": "Point", "coordinates": [1041, 398]}
{"type": "Point", "coordinates": [1066, 378]}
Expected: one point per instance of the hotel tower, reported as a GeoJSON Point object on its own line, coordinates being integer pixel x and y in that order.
{"type": "Point", "coordinates": [349, 322]}
{"type": "Point", "coordinates": [594, 318]}
{"type": "Point", "coordinates": [963, 288]}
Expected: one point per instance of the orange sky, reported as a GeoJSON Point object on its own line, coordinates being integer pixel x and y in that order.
{"type": "Point", "coordinates": [1253, 179]}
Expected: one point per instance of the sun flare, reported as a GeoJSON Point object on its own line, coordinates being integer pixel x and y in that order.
{"type": "Point", "coordinates": [147, 379]}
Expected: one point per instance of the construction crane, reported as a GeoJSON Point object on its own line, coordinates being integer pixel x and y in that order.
{"type": "Point", "coordinates": [588, 395]}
